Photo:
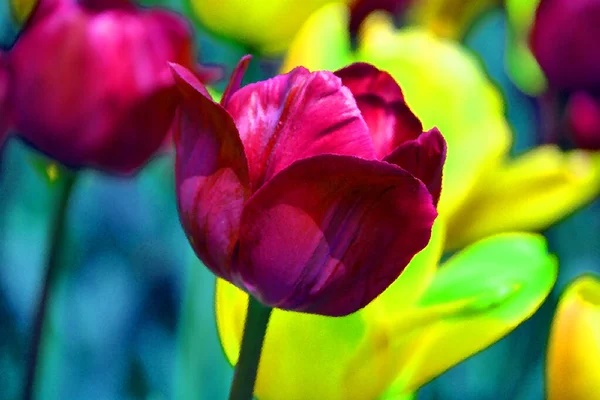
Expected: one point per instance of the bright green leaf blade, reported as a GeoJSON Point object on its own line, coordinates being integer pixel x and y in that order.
{"type": "Point", "coordinates": [476, 298]}
{"type": "Point", "coordinates": [520, 62]}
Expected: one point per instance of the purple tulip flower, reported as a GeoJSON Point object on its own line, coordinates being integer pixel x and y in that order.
{"type": "Point", "coordinates": [312, 191]}
{"type": "Point", "coordinates": [564, 40]}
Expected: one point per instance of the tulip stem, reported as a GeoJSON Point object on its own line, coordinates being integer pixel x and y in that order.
{"type": "Point", "coordinates": [246, 368]}
{"type": "Point", "coordinates": [54, 248]}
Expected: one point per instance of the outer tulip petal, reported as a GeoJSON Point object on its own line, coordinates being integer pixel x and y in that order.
{"type": "Point", "coordinates": [423, 157]}
{"type": "Point", "coordinates": [236, 79]}
{"type": "Point", "coordinates": [530, 193]}
{"type": "Point", "coordinates": [345, 229]}
{"type": "Point", "coordinates": [363, 78]}
{"type": "Point", "coordinates": [211, 176]}
{"type": "Point", "coordinates": [573, 369]}
{"type": "Point", "coordinates": [321, 346]}
{"type": "Point", "coordinates": [382, 105]}
{"type": "Point", "coordinates": [143, 132]}
{"type": "Point", "coordinates": [477, 297]}
{"type": "Point", "coordinates": [272, 120]}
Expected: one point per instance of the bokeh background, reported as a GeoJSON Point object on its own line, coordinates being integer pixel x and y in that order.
{"type": "Point", "coordinates": [116, 318]}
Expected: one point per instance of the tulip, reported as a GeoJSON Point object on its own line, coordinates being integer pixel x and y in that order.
{"type": "Point", "coordinates": [573, 364]}
{"type": "Point", "coordinates": [90, 84]}
{"type": "Point", "coordinates": [266, 28]}
{"type": "Point", "coordinates": [311, 190]}
{"type": "Point", "coordinates": [563, 42]}
{"type": "Point", "coordinates": [485, 190]}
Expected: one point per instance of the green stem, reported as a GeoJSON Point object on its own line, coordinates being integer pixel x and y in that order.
{"type": "Point", "coordinates": [246, 368]}
{"type": "Point", "coordinates": [52, 266]}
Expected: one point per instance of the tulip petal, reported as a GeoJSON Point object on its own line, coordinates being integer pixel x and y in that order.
{"type": "Point", "coordinates": [236, 79]}
{"type": "Point", "coordinates": [188, 82]}
{"type": "Point", "coordinates": [573, 369]}
{"type": "Point", "coordinates": [562, 38]}
{"type": "Point", "coordinates": [363, 78]}
{"type": "Point", "coordinates": [511, 198]}
{"type": "Point", "coordinates": [424, 158]}
{"type": "Point", "coordinates": [321, 346]}
{"type": "Point", "coordinates": [143, 131]}
{"type": "Point", "coordinates": [333, 232]}
{"type": "Point", "coordinates": [382, 106]}
{"type": "Point", "coordinates": [211, 175]}
{"type": "Point", "coordinates": [295, 116]}
{"type": "Point", "coordinates": [477, 297]}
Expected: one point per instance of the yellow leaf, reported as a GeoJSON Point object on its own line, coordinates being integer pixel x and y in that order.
{"type": "Point", "coordinates": [476, 298]}
{"type": "Point", "coordinates": [266, 28]}
{"type": "Point", "coordinates": [529, 193]}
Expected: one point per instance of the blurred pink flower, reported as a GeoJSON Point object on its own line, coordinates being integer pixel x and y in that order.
{"type": "Point", "coordinates": [564, 41]}
{"type": "Point", "coordinates": [90, 84]}
{"type": "Point", "coordinates": [311, 190]}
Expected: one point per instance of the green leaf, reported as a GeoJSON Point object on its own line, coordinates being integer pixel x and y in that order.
{"type": "Point", "coordinates": [476, 298]}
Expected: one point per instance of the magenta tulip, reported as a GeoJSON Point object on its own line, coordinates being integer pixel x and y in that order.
{"type": "Point", "coordinates": [90, 81]}
{"type": "Point", "coordinates": [312, 191]}
{"type": "Point", "coordinates": [564, 41]}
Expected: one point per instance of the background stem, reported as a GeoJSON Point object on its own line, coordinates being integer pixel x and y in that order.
{"type": "Point", "coordinates": [246, 368]}
{"type": "Point", "coordinates": [54, 248]}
